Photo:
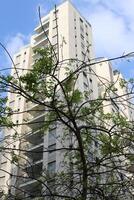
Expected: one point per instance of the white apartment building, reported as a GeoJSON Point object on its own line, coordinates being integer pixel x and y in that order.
{"type": "Point", "coordinates": [125, 98]}
{"type": "Point", "coordinates": [73, 40]}
{"type": "Point", "coordinates": [16, 102]}
{"type": "Point", "coordinates": [121, 99]}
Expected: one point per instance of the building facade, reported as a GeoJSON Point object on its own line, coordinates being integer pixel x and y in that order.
{"type": "Point", "coordinates": [70, 35]}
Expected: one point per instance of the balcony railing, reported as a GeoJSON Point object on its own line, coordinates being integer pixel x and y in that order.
{"type": "Point", "coordinates": [28, 182]}
{"type": "Point", "coordinates": [42, 42]}
{"type": "Point", "coordinates": [52, 156]}
{"type": "Point", "coordinates": [45, 24]}
{"type": "Point", "coordinates": [34, 135]}
{"type": "Point", "coordinates": [32, 163]}
{"type": "Point", "coordinates": [36, 36]}
{"type": "Point", "coordinates": [36, 122]}
{"type": "Point", "coordinates": [31, 147]}
{"type": "Point", "coordinates": [35, 113]}
{"type": "Point", "coordinates": [31, 105]}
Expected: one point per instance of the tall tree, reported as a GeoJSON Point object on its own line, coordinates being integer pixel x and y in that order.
{"type": "Point", "coordinates": [94, 147]}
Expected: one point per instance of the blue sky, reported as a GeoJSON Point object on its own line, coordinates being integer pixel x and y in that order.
{"type": "Point", "coordinates": [112, 22]}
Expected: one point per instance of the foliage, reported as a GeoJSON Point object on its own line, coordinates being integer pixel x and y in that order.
{"type": "Point", "coordinates": [94, 145]}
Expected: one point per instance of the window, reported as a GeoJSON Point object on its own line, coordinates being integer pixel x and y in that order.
{"type": "Point", "coordinates": [96, 143]}
{"type": "Point", "coordinates": [85, 75]}
{"type": "Point", "coordinates": [51, 153]}
{"type": "Point", "coordinates": [52, 136]}
{"type": "Point", "coordinates": [51, 147]}
{"type": "Point", "coordinates": [46, 26]}
{"type": "Point", "coordinates": [81, 20]}
{"type": "Point", "coordinates": [83, 55]}
{"type": "Point", "coordinates": [11, 103]}
{"type": "Point", "coordinates": [88, 23]}
{"type": "Point", "coordinates": [24, 61]}
{"type": "Point", "coordinates": [90, 80]}
{"type": "Point", "coordinates": [88, 43]}
{"type": "Point", "coordinates": [85, 86]}
{"type": "Point", "coordinates": [90, 157]}
{"type": "Point", "coordinates": [18, 59]}
{"type": "Point", "coordinates": [81, 28]}
{"type": "Point", "coordinates": [82, 37]}
{"type": "Point", "coordinates": [51, 167]}
{"type": "Point", "coordinates": [82, 45]}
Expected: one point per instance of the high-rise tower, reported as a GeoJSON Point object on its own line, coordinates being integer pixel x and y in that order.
{"type": "Point", "coordinates": [70, 35]}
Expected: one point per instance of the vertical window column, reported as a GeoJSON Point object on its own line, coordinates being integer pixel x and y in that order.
{"type": "Point", "coordinates": [51, 148]}
{"type": "Point", "coordinates": [75, 35]}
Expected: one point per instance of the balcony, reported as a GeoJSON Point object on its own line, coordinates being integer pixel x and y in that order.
{"type": "Point", "coordinates": [36, 122]}
{"type": "Point", "coordinates": [41, 34]}
{"type": "Point", "coordinates": [52, 136]}
{"type": "Point", "coordinates": [30, 105]}
{"type": "Point", "coordinates": [35, 137]}
{"type": "Point", "coordinates": [35, 154]}
{"type": "Point", "coordinates": [33, 169]}
{"type": "Point", "coordinates": [33, 147]}
{"type": "Point", "coordinates": [40, 43]}
{"type": "Point", "coordinates": [45, 25]}
{"type": "Point", "coordinates": [35, 113]}
{"type": "Point", "coordinates": [34, 107]}
{"type": "Point", "coordinates": [31, 174]}
{"type": "Point", "coordinates": [31, 163]}
{"type": "Point", "coordinates": [29, 183]}
{"type": "Point", "coordinates": [51, 154]}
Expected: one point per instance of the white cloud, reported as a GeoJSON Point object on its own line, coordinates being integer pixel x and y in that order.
{"type": "Point", "coordinates": [110, 33]}
{"type": "Point", "coordinates": [113, 29]}
{"type": "Point", "coordinates": [43, 9]}
{"type": "Point", "coordinates": [113, 25]}
{"type": "Point", "coordinates": [14, 43]}
{"type": "Point", "coordinates": [122, 7]}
